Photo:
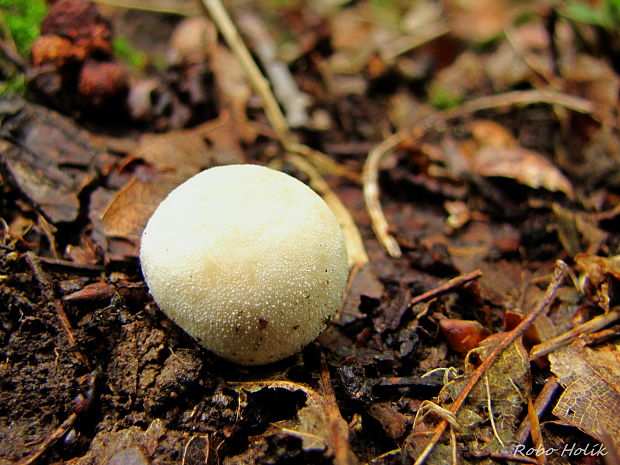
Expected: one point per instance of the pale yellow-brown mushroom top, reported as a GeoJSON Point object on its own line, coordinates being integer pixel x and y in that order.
{"type": "Point", "coordinates": [248, 260]}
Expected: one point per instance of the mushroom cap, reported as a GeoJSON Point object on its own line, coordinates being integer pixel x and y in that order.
{"type": "Point", "coordinates": [248, 260]}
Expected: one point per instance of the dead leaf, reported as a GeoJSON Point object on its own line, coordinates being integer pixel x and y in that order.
{"type": "Point", "coordinates": [175, 156]}
{"type": "Point", "coordinates": [132, 206]}
{"type": "Point", "coordinates": [50, 159]}
{"type": "Point", "coordinates": [363, 286]}
{"type": "Point", "coordinates": [577, 228]}
{"type": "Point", "coordinates": [595, 279]}
{"type": "Point", "coordinates": [499, 155]}
{"type": "Point", "coordinates": [182, 153]}
{"type": "Point", "coordinates": [315, 425]}
{"type": "Point", "coordinates": [123, 445]}
{"type": "Point", "coordinates": [591, 378]}
{"type": "Point", "coordinates": [594, 79]}
{"type": "Point", "coordinates": [526, 56]}
{"type": "Point", "coordinates": [462, 335]}
{"type": "Point", "coordinates": [489, 16]}
{"type": "Point", "coordinates": [489, 418]}
{"type": "Point", "coordinates": [595, 267]}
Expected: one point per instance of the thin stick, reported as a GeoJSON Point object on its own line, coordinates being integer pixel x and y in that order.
{"type": "Point", "coordinates": [317, 160]}
{"type": "Point", "coordinates": [355, 246]}
{"type": "Point", "coordinates": [323, 162]}
{"type": "Point", "coordinates": [48, 293]}
{"type": "Point", "coordinates": [49, 441]}
{"type": "Point", "coordinates": [558, 277]}
{"type": "Point", "coordinates": [590, 326]}
{"type": "Point", "coordinates": [370, 173]}
{"type": "Point", "coordinates": [177, 7]}
{"type": "Point", "coordinates": [446, 287]}
{"type": "Point", "coordinates": [293, 100]}
{"type": "Point", "coordinates": [370, 178]}
{"type": "Point", "coordinates": [343, 455]}
{"type": "Point", "coordinates": [540, 405]}
{"type": "Point", "coordinates": [261, 85]}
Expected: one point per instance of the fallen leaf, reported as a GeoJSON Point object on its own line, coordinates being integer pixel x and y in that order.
{"type": "Point", "coordinates": [124, 446]}
{"type": "Point", "coordinates": [578, 231]}
{"type": "Point", "coordinates": [50, 159]}
{"type": "Point", "coordinates": [595, 267]}
{"type": "Point", "coordinates": [490, 17]}
{"type": "Point", "coordinates": [175, 156]}
{"type": "Point", "coordinates": [591, 397]}
{"type": "Point", "coordinates": [499, 155]}
{"type": "Point", "coordinates": [596, 278]}
{"type": "Point", "coordinates": [132, 206]}
{"type": "Point", "coordinates": [363, 287]}
{"type": "Point", "coordinates": [596, 81]}
{"type": "Point", "coordinates": [462, 335]}
{"type": "Point", "coordinates": [490, 416]}
{"type": "Point", "coordinates": [315, 424]}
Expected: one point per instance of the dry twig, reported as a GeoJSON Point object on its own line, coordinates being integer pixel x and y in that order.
{"type": "Point", "coordinates": [596, 323]}
{"type": "Point", "coordinates": [446, 287]}
{"type": "Point", "coordinates": [540, 405]}
{"type": "Point", "coordinates": [294, 101]}
{"type": "Point", "coordinates": [48, 293]}
{"type": "Point", "coordinates": [510, 337]}
{"type": "Point", "coordinates": [49, 441]}
{"type": "Point", "coordinates": [343, 455]}
{"type": "Point", "coordinates": [355, 246]}
{"type": "Point", "coordinates": [370, 174]}
{"type": "Point", "coordinates": [317, 160]}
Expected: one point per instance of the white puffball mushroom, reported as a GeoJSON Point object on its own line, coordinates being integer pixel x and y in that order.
{"type": "Point", "coordinates": [248, 260]}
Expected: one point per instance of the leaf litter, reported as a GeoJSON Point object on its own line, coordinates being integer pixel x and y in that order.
{"type": "Point", "coordinates": [495, 154]}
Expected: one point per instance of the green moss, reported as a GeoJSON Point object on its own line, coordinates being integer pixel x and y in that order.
{"type": "Point", "coordinates": [15, 85]}
{"type": "Point", "coordinates": [441, 98]}
{"type": "Point", "coordinates": [22, 19]}
{"type": "Point", "coordinates": [128, 53]}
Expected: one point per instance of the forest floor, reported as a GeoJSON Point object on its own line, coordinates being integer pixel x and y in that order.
{"type": "Point", "coordinates": [471, 153]}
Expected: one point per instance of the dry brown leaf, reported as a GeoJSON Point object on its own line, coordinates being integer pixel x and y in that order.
{"type": "Point", "coordinates": [50, 159]}
{"type": "Point", "coordinates": [591, 398]}
{"type": "Point", "coordinates": [595, 268]}
{"type": "Point", "coordinates": [132, 206]}
{"type": "Point", "coordinates": [504, 388]}
{"type": "Point", "coordinates": [490, 17]}
{"type": "Point", "coordinates": [315, 424]}
{"type": "Point", "coordinates": [462, 335]}
{"type": "Point", "coordinates": [114, 446]}
{"type": "Point", "coordinates": [55, 193]}
{"type": "Point", "coordinates": [175, 156]}
{"type": "Point", "coordinates": [578, 231]}
{"type": "Point", "coordinates": [180, 152]}
{"type": "Point", "coordinates": [523, 58]}
{"type": "Point", "coordinates": [498, 154]}
{"type": "Point", "coordinates": [595, 80]}
{"type": "Point", "coordinates": [596, 278]}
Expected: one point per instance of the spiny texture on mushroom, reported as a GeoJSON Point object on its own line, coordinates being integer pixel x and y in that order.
{"type": "Point", "coordinates": [248, 260]}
